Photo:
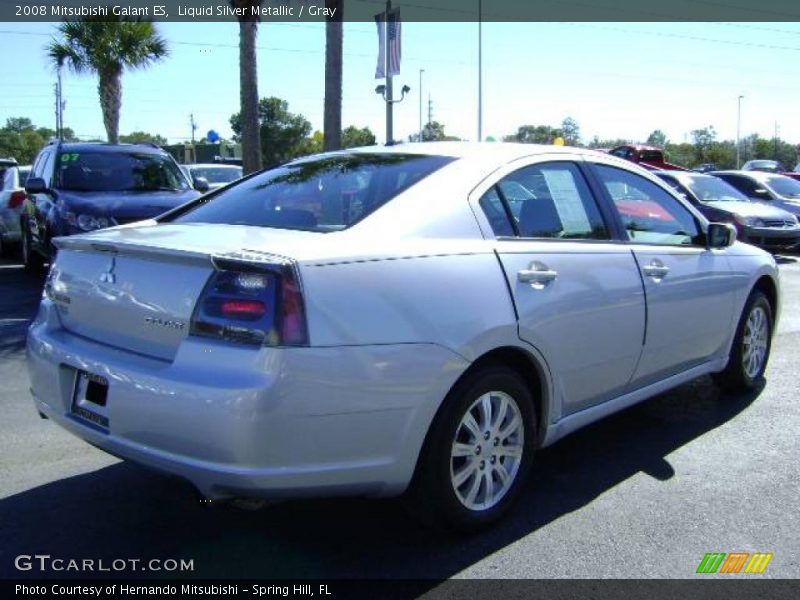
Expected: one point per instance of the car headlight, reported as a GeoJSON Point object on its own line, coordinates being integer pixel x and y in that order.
{"type": "Point", "coordinates": [748, 221]}
{"type": "Point", "coordinates": [87, 222]}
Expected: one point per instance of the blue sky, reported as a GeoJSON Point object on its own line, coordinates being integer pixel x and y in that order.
{"type": "Point", "coordinates": [617, 80]}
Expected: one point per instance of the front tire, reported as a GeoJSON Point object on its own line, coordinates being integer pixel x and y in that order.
{"type": "Point", "coordinates": [751, 347]}
{"type": "Point", "coordinates": [478, 452]}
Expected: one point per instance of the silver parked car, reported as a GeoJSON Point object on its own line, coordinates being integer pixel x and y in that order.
{"type": "Point", "coordinates": [12, 196]}
{"type": "Point", "coordinates": [217, 175]}
{"type": "Point", "coordinates": [385, 320]}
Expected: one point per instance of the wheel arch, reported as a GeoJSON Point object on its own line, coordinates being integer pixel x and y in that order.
{"type": "Point", "coordinates": [769, 288]}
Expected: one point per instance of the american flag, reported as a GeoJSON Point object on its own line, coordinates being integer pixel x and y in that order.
{"type": "Point", "coordinates": [393, 29]}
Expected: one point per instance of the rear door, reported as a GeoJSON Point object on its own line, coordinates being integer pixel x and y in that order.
{"type": "Point", "coordinates": [689, 288]}
{"type": "Point", "coordinates": [577, 290]}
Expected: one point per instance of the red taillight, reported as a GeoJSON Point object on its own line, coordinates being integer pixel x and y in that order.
{"type": "Point", "coordinates": [247, 309]}
{"type": "Point", "coordinates": [252, 303]}
{"type": "Point", "coordinates": [16, 199]}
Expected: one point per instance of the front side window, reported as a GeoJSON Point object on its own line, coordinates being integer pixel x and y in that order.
{"type": "Point", "coordinates": [323, 194]}
{"type": "Point", "coordinates": [745, 185]}
{"type": "Point", "coordinates": [548, 200]}
{"type": "Point", "coordinates": [649, 214]}
{"type": "Point", "coordinates": [93, 171]}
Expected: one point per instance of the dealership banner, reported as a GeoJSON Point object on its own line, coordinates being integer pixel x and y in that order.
{"type": "Point", "coordinates": [413, 10]}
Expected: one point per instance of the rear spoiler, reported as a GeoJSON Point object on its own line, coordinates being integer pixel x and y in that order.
{"type": "Point", "coordinates": [86, 244]}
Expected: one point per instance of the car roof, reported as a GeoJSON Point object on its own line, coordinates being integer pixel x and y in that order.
{"type": "Point", "coordinates": [212, 166]}
{"type": "Point", "coordinates": [751, 174]}
{"type": "Point", "coordinates": [104, 147]}
{"type": "Point", "coordinates": [681, 174]}
{"type": "Point", "coordinates": [494, 151]}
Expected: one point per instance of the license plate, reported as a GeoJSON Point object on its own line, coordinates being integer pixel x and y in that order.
{"type": "Point", "coordinates": [89, 398]}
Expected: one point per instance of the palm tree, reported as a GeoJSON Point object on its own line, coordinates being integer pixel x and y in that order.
{"type": "Point", "coordinates": [333, 77]}
{"type": "Point", "coordinates": [107, 46]}
{"type": "Point", "coordinates": [248, 84]}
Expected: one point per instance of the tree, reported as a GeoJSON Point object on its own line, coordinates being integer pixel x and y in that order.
{"type": "Point", "coordinates": [142, 137]}
{"type": "Point", "coordinates": [353, 137]}
{"type": "Point", "coordinates": [248, 85]}
{"type": "Point", "coordinates": [283, 135]}
{"type": "Point", "coordinates": [107, 46]}
{"type": "Point", "coordinates": [703, 138]}
{"type": "Point", "coordinates": [657, 138]}
{"type": "Point", "coordinates": [22, 140]}
{"type": "Point", "coordinates": [571, 132]}
{"type": "Point", "coordinates": [333, 76]}
{"type": "Point", "coordinates": [533, 134]}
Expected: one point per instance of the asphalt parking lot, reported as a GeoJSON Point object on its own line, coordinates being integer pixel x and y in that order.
{"type": "Point", "coordinates": [643, 494]}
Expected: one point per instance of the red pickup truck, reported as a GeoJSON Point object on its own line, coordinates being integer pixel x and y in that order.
{"type": "Point", "coordinates": [649, 157]}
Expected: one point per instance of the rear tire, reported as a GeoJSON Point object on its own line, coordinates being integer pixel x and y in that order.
{"type": "Point", "coordinates": [30, 258]}
{"type": "Point", "coordinates": [751, 347]}
{"type": "Point", "coordinates": [477, 454]}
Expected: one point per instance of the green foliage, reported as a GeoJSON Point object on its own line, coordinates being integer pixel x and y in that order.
{"type": "Point", "coordinates": [141, 137]}
{"type": "Point", "coordinates": [284, 135]}
{"type": "Point", "coordinates": [545, 134]}
{"type": "Point", "coordinates": [20, 139]}
{"type": "Point", "coordinates": [354, 137]}
{"type": "Point", "coordinates": [571, 132]}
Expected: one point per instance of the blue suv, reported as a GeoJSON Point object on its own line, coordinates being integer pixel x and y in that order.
{"type": "Point", "coordinates": [79, 187]}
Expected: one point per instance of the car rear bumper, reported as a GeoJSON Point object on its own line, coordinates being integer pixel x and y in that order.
{"type": "Point", "coordinates": [253, 422]}
{"type": "Point", "coordinates": [775, 239]}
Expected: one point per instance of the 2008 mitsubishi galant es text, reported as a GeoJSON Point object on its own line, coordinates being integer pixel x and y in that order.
{"type": "Point", "coordinates": [414, 319]}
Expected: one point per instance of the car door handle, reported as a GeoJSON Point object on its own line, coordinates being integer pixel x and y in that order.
{"type": "Point", "coordinates": [656, 269]}
{"type": "Point", "coordinates": [537, 274]}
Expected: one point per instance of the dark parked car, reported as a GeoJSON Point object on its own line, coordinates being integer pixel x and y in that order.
{"type": "Point", "coordinates": [706, 167]}
{"type": "Point", "coordinates": [774, 188]}
{"type": "Point", "coordinates": [768, 166]}
{"type": "Point", "coordinates": [757, 223]}
{"type": "Point", "coordinates": [75, 188]}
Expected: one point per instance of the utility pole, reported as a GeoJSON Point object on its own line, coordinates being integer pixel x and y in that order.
{"type": "Point", "coordinates": [193, 125]}
{"type": "Point", "coordinates": [60, 103]}
{"type": "Point", "coordinates": [421, 71]}
{"type": "Point", "coordinates": [430, 109]}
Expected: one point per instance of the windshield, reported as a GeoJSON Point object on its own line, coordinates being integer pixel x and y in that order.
{"type": "Point", "coordinates": [217, 174]}
{"type": "Point", "coordinates": [118, 172]}
{"type": "Point", "coordinates": [325, 194]}
{"type": "Point", "coordinates": [785, 186]}
{"type": "Point", "coordinates": [713, 189]}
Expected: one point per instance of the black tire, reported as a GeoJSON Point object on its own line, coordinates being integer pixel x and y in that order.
{"type": "Point", "coordinates": [432, 496]}
{"type": "Point", "coordinates": [737, 378]}
{"type": "Point", "coordinates": [32, 260]}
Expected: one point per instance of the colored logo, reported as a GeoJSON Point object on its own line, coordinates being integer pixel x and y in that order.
{"type": "Point", "coordinates": [735, 562]}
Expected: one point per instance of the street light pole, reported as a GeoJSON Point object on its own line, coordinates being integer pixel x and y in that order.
{"type": "Point", "coordinates": [389, 94]}
{"type": "Point", "coordinates": [738, 130]}
{"type": "Point", "coordinates": [421, 71]}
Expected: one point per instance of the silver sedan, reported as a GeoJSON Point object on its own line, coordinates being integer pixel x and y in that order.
{"type": "Point", "coordinates": [417, 320]}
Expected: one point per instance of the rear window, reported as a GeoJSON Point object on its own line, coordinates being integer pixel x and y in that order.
{"type": "Point", "coordinates": [324, 194]}
{"type": "Point", "coordinates": [652, 155]}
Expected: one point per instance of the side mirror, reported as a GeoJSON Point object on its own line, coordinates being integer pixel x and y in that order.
{"type": "Point", "coordinates": [720, 235]}
{"type": "Point", "coordinates": [201, 184]}
{"type": "Point", "coordinates": [36, 185]}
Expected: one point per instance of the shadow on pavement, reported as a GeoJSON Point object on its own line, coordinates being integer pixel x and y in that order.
{"type": "Point", "coordinates": [19, 300]}
{"type": "Point", "coordinates": [123, 511]}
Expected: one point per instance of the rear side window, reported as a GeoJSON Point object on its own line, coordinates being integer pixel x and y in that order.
{"type": "Point", "coordinates": [547, 200]}
{"type": "Point", "coordinates": [324, 194]}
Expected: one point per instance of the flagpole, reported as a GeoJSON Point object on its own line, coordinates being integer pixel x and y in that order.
{"type": "Point", "coordinates": [389, 94]}
{"type": "Point", "coordinates": [480, 70]}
